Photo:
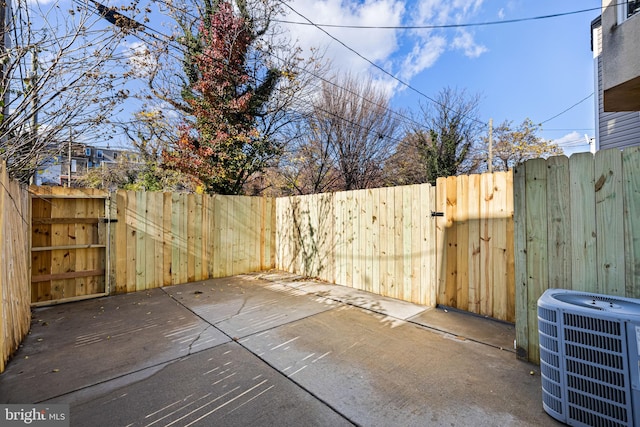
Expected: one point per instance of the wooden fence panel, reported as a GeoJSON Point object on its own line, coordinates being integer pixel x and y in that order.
{"type": "Point", "coordinates": [167, 239]}
{"type": "Point", "coordinates": [70, 248]}
{"type": "Point", "coordinates": [378, 240]}
{"type": "Point", "coordinates": [475, 247]}
{"type": "Point", "coordinates": [15, 274]}
{"type": "Point", "coordinates": [586, 238]}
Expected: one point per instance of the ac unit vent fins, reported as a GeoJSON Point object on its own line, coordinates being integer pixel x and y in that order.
{"type": "Point", "coordinates": [590, 358]}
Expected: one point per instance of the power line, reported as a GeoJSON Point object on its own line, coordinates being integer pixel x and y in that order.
{"type": "Point", "coordinates": [566, 110]}
{"type": "Point", "coordinates": [443, 26]}
{"type": "Point", "coordinates": [407, 85]}
{"type": "Point", "coordinates": [145, 29]}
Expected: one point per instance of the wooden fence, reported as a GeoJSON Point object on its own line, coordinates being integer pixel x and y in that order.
{"type": "Point", "coordinates": [15, 312]}
{"type": "Point", "coordinates": [164, 239]}
{"type": "Point", "coordinates": [378, 240]}
{"type": "Point", "coordinates": [69, 244]}
{"type": "Point", "coordinates": [387, 241]}
{"type": "Point", "coordinates": [501, 240]}
{"type": "Point", "coordinates": [577, 226]}
{"type": "Point", "coordinates": [475, 244]}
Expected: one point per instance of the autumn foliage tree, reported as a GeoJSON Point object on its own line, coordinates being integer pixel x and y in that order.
{"type": "Point", "coordinates": [222, 146]}
{"type": "Point", "coordinates": [512, 145]}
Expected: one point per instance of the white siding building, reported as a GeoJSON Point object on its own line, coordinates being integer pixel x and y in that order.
{"type": "Point", "coordinates": [615, 43]}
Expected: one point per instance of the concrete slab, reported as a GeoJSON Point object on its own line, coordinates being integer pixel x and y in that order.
{"type": "Point", "coordinates": [223, 386]}
{"type": "Point", "coordinates": [377, 372]}
{"type": "Point", "coordinates": [468, 326]}
{"type": "Point", "coordinates": [257, 350]}
{"type": "Point", "coordinates": [76, 345]}
{"type": "Point", "coordinates": [243, 305]}
{"type": "Point", "coordinates": [388, 306]}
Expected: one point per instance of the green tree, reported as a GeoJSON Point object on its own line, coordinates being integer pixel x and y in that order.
{"type": "Point", "coordinates": [438, 144]}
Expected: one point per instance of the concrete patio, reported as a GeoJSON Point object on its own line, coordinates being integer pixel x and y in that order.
{"type": "Point", "coordinates": [272, 349]}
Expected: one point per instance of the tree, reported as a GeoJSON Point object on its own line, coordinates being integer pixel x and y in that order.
{"type": "Point", "coordinates": [442, 137]}
{"type": "Point", "coordinates": [223, 147]}
{"type": "Point", "coordinates": [149, 134]}
{"type": "Point", "coordinates": [513, 145]}
{"type": "Point", "coordinates": [347, 137]}
{"type": "Point", "coordinates": [235, 90]}
{"type": "Point", "coordinates": [58, 81]}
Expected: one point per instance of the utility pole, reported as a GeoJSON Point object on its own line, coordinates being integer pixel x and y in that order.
{"type": "Point", "coordinates": [490, 146]}
{"type": "Point", "coordinates": [69, 159]}
{"type": "Point", "coordinates": [5, 42]}
{"type": "Point", "coordinates": [33, 79]}
{"type": "Point", "coordinates": [34, 92]}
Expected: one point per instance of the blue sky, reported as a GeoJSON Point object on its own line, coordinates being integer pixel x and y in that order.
{"type": "Point", "coordinates": [533, 69]}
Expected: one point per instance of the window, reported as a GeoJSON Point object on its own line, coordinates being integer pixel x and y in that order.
{"type": "Point", "coordinates": [626, 9]}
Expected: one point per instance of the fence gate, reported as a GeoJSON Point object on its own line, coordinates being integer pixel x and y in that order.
{"type": "Point", "coordinates": [69, 245]}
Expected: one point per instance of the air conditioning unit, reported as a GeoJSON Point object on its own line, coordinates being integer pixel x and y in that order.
{"type": "Point", "coordinates": [590, 358]}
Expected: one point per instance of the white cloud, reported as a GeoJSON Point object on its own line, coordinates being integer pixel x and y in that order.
{"type": "Point", "coordinates": [401, 52]}
{"type": "Point", "coordinates": [377, 45]}
{"type": "Point", "coordinates": [465, 42]}
{"type": "Point", "coordinates": [501, 14]}
{"type": "Point", "coordinates": [140, 59]}
{"type": "Point", "coordinates": [573, 142]}
{"type": "Point", "coordinates": [423, 56]}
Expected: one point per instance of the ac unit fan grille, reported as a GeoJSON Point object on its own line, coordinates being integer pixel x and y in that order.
{"type": "Point", "coordinates": [599, 341]}
{"type": "Point", "coordinates": [595, 372]}
{"type": "Point", "coordinates": [602, 391]}
{"type": "Point", "coordinates": [592, 324]}
{"type": "Point", "coordinates": [593, 419]}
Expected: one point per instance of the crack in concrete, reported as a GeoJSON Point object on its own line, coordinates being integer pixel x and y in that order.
{"type": "Point", "coordinates": [209, 325]}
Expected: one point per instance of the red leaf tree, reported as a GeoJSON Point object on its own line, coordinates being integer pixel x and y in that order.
{"type": "Point", "coordinates": [221, 144]}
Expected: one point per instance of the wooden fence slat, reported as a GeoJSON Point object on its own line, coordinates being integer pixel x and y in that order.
{"type": "Point", "coordinates": [415, 254]}
{"type": "Point", "coordinates": [631, 179]}
{"type": "Point", "coordinates": [192, 231]}
{"type": "Point", "coordinates": [131, 220]}
{"type": "Point", "coordinates": [473, 251]}
{"type": "Point", "coordinates": [462, 245]}
{"type": "Point", "coordinates": [559, 224]}
{"type": "Point", "coordinates": [120, 242]}
{"type": "Point", "coordinates": [366, 241]}
{"type": "Point", "coordinates": [536, 263]}
{"type": "Point", "coordinates": [502, 223]}
{"type": "Point", "coordinates": [140, 241]}
{"type": "Point", "coordinates": [583, 222]}
{"type": "Point", "coordinates": [407, 226]}
{"type": "Point", "coordinates": [609, 222]}
{"type": "Point", "coordinates": [510, 250]}
{"type": "Point", "coordinates": [375, 252]}
{"type": "Point", "coordinates": [157, 236]}
{"type": "Point", "coordinates": [486, 283]}
{"type": "Point", "coordinates": [386, 204]}
{"type": "Point", "coordinates": [520, 255]}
